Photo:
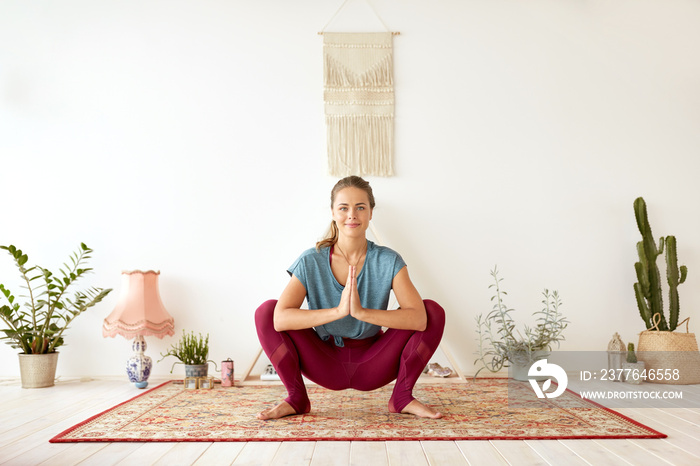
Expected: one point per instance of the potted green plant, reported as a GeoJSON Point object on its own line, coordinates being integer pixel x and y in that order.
{"type": "Point", "coordinates": [632, 369]}
{"type": "Point", "coordinates": [37, 327]}
{"type": "Point", "coordinates": [502, 345]}
{"type": "Point", "coordinates": [647, 290]}
{"type": "Point", "coordinates": [662, 348]}
{"type": "Point", "coordinates": [192, 351]}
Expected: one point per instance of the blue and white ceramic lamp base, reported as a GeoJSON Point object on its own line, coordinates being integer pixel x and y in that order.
{"type": "Point", "coordinates": [138, 366]}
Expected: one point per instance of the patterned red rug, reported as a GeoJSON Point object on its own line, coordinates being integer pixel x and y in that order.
{"type": "Point", "coordinates": [475, 410]}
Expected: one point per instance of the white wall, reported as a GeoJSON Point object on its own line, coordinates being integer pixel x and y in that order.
{"type": "Point", "coordinates": [188, 137]}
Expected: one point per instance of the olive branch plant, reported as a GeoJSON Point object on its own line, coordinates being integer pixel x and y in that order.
{"type": "Point", "coordinates": [501, 344]}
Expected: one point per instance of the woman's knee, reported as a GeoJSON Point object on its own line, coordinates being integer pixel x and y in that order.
{"type": "Point", "coordinates": [264, 315]}
{"type": "Point", "coordinates": [435, 313]}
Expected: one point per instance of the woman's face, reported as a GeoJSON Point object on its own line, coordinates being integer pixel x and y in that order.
{"type": "Point", "coordinates": [352, 212]}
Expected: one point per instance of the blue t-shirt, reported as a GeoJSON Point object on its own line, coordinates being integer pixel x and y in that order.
{"type": "Point", "coordinates": [313, 269]}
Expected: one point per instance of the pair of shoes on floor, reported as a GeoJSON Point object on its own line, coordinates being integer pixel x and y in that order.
{"type": "Point", "coordinates": [436, 370]}
{"type": "Point", "coordinates": [270, 373]}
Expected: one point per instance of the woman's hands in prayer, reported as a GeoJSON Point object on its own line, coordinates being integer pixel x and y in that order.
{"type": "Point", "coordinates": [410, 315]}
{"type": "Point", "coordinates": [350, 299]}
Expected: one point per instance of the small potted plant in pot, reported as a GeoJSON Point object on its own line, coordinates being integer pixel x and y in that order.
{"type": "Point", "coordinates": [192, 351]}
{"type": "Point", "coordinates": [38, 327]}
{"type": "Point", "coordinates": [632, 369]}
{"type": "Point", "coordinates": [502, 345]}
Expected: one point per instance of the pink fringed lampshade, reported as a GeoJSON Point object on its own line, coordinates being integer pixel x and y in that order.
{"type": "Point", "coordinates": [139, 313]}
{"type": "Point", "coordinates": [139, 310]}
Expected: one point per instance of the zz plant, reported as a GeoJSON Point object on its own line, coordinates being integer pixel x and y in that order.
{"type": "Point", "coordinates": [37, 327]}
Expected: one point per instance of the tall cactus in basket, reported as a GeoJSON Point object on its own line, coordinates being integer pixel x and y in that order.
{"type": "Point", "coordinates": [648, 287]}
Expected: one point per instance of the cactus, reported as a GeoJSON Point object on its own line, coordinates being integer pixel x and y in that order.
{"type": "Point", "coordinates": [648, 287]}
{"type": "Point", "coordinates": [631, 357]}
{"type": "Point", "coordinates": [675, 277]}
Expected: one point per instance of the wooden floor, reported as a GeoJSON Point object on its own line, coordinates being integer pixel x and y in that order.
{"type": "Point", "coordinates": [29, 418]}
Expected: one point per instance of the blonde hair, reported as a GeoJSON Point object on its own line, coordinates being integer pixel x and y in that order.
{"type": "Point", "coordinates": [348, 182]}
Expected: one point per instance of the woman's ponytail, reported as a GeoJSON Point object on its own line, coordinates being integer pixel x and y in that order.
{"type": "Point", "coordinates": [331, 237]}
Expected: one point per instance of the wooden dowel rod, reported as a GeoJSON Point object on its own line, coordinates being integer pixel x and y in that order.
{"type": "Point", "coordinates": [395, 33]}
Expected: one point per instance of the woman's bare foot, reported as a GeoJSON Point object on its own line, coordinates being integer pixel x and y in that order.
{"type": "Point", "coordinates": [281, 410]}
{"type": "Point", "coordinates": [420, 410]}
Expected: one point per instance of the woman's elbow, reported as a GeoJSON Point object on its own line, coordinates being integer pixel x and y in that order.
{"type": "Point", "coordinates": [280, 325]}
{"type": "Point", "coordinates": [422, 323]}
{"type": "Point", "coordinates": [422, 318]}
{"type": "Point", "coordinates": [278, 322]}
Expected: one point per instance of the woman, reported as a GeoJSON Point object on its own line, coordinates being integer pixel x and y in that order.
{"type": "Point", "coordinates": [338, 342]}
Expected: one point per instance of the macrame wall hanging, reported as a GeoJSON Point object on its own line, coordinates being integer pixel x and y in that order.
{"type": "Point", "coordinates": [359, 101]}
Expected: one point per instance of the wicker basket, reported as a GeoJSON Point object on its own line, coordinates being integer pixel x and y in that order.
{"type": "Point", "coordinates": [37, 370]}
{"type": "Point", "coordinates": [669, 351]}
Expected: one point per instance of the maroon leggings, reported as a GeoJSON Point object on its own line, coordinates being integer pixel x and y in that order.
{"type": "Point", "coordinates": [365, 364]}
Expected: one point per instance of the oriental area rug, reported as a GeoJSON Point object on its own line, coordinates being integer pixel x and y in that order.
{"type": "Point", "coordinates": [481, 409]}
